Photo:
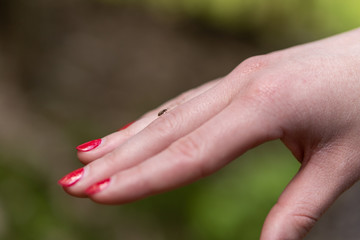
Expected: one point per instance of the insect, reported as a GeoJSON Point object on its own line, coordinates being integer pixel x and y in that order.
{"type": "Point", "coordinates": [162, 112]}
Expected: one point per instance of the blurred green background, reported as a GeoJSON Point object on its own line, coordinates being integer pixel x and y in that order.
{"type": "Point", "coordinates": [75, 70]}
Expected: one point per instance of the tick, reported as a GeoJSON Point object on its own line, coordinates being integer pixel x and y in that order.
{"type": "Point", "coordinates": [162, 112]}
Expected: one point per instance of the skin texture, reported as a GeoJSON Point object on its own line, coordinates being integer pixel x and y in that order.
{"type": "Point", "coordinates": [307, 96]}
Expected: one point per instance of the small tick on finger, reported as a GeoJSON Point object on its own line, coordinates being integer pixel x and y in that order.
{"type": "Point", "coordinates": [162, 112]}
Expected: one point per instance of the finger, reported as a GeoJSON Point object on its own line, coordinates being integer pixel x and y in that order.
{"type": "Point", "coordinates": [156, 137]}
{"type": "Point", "coordinates": [112, 141]}
{"type": "Point", "coordinates": [184, 97]}
{"type": "Point", "coordinates": [203, 151]}
{"type": "Point", "coordinates": [98, 148]}
{"type": "Point", "coordinates": [316, 186]}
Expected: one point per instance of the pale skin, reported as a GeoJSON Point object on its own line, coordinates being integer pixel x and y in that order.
{"type": "Point", "coordinates": [308, 96]}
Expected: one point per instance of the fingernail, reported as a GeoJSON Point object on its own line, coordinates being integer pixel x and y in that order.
{"type": "Point", "coordinates": [97, 187]}
{"type": "Point", "coordinates": [126, 126]}
{"type": "Point", "coordinates": [72, 178]}
{"type": "Point", "coordinates": [88, 146]}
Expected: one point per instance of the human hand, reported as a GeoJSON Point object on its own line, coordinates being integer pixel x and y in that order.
{"type": "Point", "coordinates": [307, 96]}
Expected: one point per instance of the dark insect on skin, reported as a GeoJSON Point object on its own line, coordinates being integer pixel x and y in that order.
{"type": "Point", "coordinates": [162, 112]}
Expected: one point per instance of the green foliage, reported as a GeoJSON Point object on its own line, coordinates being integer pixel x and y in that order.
{"type": "Point", "coordinates": [269, 21]}
{"type": "Point", "coordinates": [235, 204]}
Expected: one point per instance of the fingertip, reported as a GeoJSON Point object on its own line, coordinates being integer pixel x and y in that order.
{"type": "Point", "coordinates": [69, 190]}
{"type": "Point", "coordinates": [85, 158]}
{"type": "Point", "coordinates": [91, 150]}
{"type": "Point", "coordinates": [90, 145]}
{"type": "Point", "coordinates": [71, 178]}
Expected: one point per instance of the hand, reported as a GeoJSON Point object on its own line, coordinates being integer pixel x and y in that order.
{"type": "Point", "coordinates": [308, 96]}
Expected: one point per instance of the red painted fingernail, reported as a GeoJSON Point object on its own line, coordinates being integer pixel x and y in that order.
{"type": "Point", "coordinates": [85, 147]}
{"type": "Point", "coordinates": [97, 187]}
{"type": "Point", "coordinates": [126, 126]}
{"type": "Point", "coordinates": [71, 178]}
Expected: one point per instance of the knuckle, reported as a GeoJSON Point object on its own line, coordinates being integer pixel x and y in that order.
{"type": "Point", "coordinates": [167, 123]}
{"type": "Point", "coordinates": [266, 99]}
{"type": "Point", "coordinates": [303, 221]}
{"type": "Point", "coordinates": [187, 148]}
{"type": "Point", "coordinates": [254, 75]}
{"type": "Point", "coordinates": [127, 133]}
{"type": "Point", "coordinates": [267, 89]}
{"type": "Point", "coordinates": [265, 96]}
{"type": "Point", "coordinates": [303, 217]}
{"type": "Point", "coordinates": [111, 159]}
{"type": "Point", "coordinates": [299, 218]}
{"type": "Point", "coordinates": [252, 64]}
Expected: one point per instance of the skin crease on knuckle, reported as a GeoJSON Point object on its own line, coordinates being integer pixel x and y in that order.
{"type": "Point", "coordinates": [302, 224]}
{"type": "Point", "coordinates": [187, 148]}
{"type": "Point", "coordinates": [252, 64]}
{"type": "Point", "coordinates": [166, 123]}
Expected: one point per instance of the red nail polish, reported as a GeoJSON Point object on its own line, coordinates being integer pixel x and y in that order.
{"type": "Point", "coordinates": [85, 147]}
{"type": "Point", "coordinates": [97, 187]}
{"type": "Point", "coordinates": [71, 178]}
{"type": "Point", "coordinates": [126, 126]}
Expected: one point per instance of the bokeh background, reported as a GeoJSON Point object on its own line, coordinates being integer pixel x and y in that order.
{"type": "Point", "coordinates": [75, 70]}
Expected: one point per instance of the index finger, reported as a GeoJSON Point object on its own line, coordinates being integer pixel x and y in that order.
{"type": "Point", "coordinates": [112, 141]}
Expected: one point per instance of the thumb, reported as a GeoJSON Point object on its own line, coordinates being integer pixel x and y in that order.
{"type": "Point", "coordinates": [315, 187]}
